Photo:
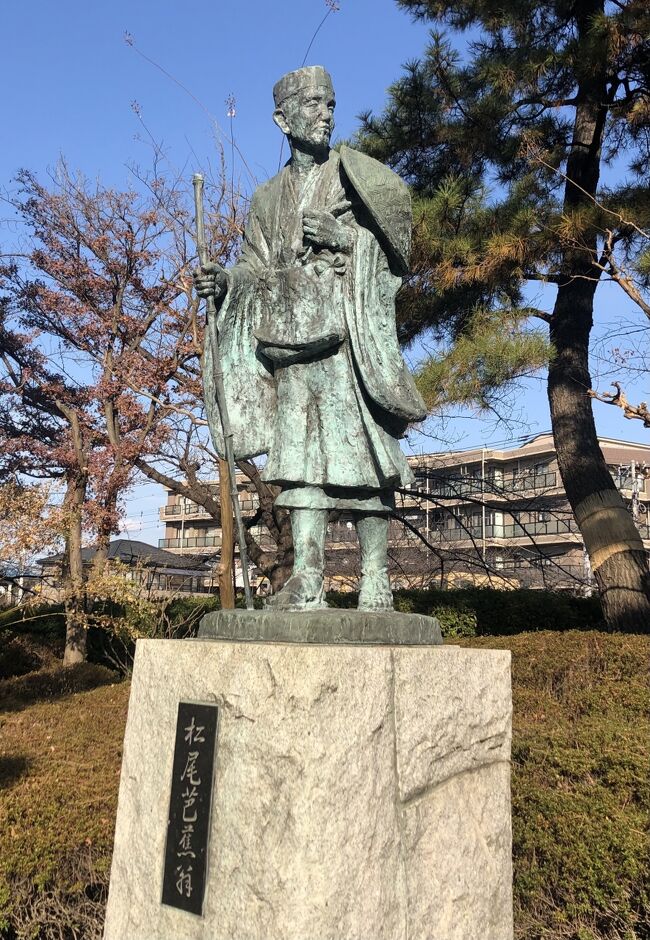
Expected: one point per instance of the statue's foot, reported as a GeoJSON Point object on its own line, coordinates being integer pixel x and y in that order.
{"type": "Point", "coordinates": [375, 592]}
{"type": "Point", "coordinates": [303, 591]}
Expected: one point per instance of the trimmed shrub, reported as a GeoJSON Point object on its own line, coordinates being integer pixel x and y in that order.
{"type": "Point", "coordinates": [45, 620]}
{"type": "Point", "coordinates": [490, 612]}
{"type": "Point", "coordinates": [73, 906]}
{"type": "Point", "coordinates": [16, 657]}
{"type": "Point", "coordinates": [504, 613]}
{"type": "Point", "coordinates": [53, 683]}
{"type": "Point", "coordinates": [180, 609]}
{"type": "Point", "coordinates": [59, 776]}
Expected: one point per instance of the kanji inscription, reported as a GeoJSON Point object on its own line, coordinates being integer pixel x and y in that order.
{"type": "Point", "coordinates": [186, 849]}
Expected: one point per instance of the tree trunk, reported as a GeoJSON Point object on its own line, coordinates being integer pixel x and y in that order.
{"type": "Point", "coordinates": [75, 621]}
{"type": "Point", "coordinates": [610, 536]}
{"type": "Point", "coordinates": [102, 546]}
{"type": "Point", "coordinates": [280, 571]}
{"type": "Point", "coordinates": [276, 566]}
{"type": "Point", "coordinates": [616, 552]}
{"type": "Point", "coordinates": [226, 583]}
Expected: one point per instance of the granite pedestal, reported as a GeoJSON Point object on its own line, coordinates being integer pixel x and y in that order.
{"type": "Point", "coordinates": [361, 790]}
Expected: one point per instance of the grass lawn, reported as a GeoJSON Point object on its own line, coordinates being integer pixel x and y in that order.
{"type": "Point", "coordinates": [60, 757]}
{"type": "Point", "coordinates": [581, 792]}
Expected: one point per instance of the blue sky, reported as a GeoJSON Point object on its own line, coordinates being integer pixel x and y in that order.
{"type": "Point", "coordinates": [71, 79]}
{"type": "Point", "coordinates": [76, 77]}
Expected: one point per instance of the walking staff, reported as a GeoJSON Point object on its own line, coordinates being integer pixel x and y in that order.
{"type": "Point", "coordinates": [211, 311]}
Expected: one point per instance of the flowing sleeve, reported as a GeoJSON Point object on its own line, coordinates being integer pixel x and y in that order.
{"type": "Point", "coordinates": [373, 333]}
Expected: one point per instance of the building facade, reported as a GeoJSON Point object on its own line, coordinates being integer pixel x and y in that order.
{"type": "Point", "coordinates": [474, 517]}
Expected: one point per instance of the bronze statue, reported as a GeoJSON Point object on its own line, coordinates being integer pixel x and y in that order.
{"type": "Point", "coordinates": [313, 373]}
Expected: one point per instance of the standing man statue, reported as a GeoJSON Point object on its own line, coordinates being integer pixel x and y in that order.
{"type": "Point", "coordinates": [313, 373]}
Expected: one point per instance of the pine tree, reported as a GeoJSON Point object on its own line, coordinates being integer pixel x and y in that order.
{"type": "Point", "coordinates": [503, 130]}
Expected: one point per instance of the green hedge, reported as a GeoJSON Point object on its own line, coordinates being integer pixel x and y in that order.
{"type": "Point", "coordinates": [488, 612]}
{"type": "Point", "coordinates": [464, 612]}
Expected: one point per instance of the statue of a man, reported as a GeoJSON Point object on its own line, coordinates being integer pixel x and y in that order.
{"type": "Point", "coordinates": [313, 372]}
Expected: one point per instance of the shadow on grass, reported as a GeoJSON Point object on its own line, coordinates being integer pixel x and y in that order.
{"type": "Point", "coordinates": [12, 768]}
{"type": "Point", "coordinates": [48, 684]}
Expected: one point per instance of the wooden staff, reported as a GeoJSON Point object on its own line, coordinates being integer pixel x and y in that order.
{"type": "Point", "coordinates": [226, 583]}
{"type": "Point", "coordinates": [211, 327]}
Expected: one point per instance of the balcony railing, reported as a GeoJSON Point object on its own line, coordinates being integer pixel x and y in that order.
{"type": "Point", "coordinates": [517, 530]}
{"type": "Point", "coordinates": [247, 507]}
{"type": "Point", "coordinates": [207, 541]}
{"type": "Point", "coordinates": [456, 488]}
{"type": "Point", "coordinates": [452, 488]}
{"type": "Point", "coordinates": [551, 527]}
{"type": "Point", "coordinates": [534, 481]}
{"type": "Point", "coordinates": [543, 572]}
{"type": "Point", "coordinates": [192, 510]}
{"type": "Point", "coordinates": [471, 531]}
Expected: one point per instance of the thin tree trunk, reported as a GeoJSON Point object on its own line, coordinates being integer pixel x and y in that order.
{"type": "Point", "coordinates": [226, 583]}
{"type": "Point", "coordinates": [611, 538]}
{"type": "Point", "coordinates": [75, 622]}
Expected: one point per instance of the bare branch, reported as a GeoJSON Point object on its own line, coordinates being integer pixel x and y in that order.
{"type": "Point", "coordinates": [619, 399]}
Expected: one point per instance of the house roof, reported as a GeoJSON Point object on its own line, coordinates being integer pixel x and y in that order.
{"type": "Point", "coordinates": [132, 552]}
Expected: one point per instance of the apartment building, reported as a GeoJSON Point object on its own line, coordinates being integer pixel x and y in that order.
{"type": "Point", "coordinates": [504, 514]}
{"type": "Point", "coordinates": [478, 516]}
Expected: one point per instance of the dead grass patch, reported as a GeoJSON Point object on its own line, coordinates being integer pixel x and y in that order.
{"type": "Point", "coordinates": [60, 761]}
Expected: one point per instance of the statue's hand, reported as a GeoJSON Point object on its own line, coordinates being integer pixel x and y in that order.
{"type": "Point", "coordinates": [210, 280]}
{"type": "Point", "coordinates": [322, 229]}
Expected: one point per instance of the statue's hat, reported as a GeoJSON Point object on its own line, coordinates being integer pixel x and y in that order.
{"type": "Point", "coordinates": [291, 83]}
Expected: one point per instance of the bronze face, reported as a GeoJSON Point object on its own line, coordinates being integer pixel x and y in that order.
{"type": "Point", "coordinates": [309, 116]}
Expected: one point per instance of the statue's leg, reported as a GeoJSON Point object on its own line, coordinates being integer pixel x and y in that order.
{"type": "Point", "coordinates": [374, 591]}
{"type": "Point", "coordinates": [305, 587]}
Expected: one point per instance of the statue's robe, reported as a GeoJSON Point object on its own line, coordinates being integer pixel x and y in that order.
{"type": "Point", "coordinates": [330, 422]}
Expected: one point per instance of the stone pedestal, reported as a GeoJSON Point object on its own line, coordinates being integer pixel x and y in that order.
{"type": "Point", "coordinates": [361, 792]}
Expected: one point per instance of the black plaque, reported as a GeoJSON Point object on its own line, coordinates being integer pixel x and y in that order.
{"type": "Point", "coordinates": [186, 850]}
